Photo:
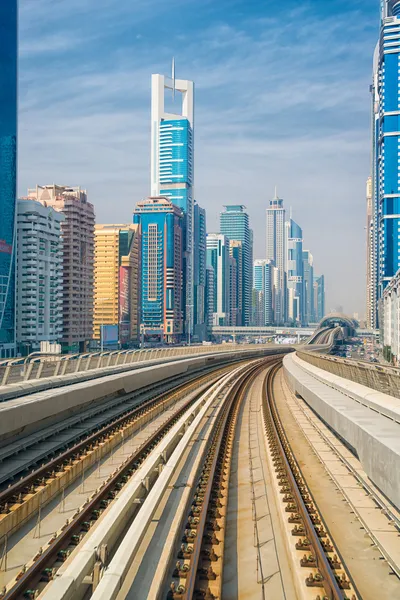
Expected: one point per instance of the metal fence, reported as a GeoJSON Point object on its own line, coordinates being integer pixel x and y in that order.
{"type": "Point", "coordinates": [39, 367]}
{"type": "Point", "coordinates": [385, 379]}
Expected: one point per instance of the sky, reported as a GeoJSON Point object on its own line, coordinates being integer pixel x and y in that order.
{"type": "Point", "coordinates": [282, 98]}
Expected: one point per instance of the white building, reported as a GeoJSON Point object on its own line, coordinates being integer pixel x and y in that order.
{"type": "Point", "coordinates": [39, 287]}
{"type": "Point", "coordinates": [390, 315]}
{"type": "Point", "coordinates": [276, 252]}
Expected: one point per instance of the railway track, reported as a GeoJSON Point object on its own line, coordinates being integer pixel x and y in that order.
{"type": "Point", "coordinates": [35, 576]}
{"type": "Point", "coordinates": [200, 558]}
{"type": "Point", "coordinates": [22, 499]}
{"type": "Point", "coordinates": [317, 553]}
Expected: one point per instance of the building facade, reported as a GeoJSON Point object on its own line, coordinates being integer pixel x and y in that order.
{"type": "Point", "coordinates": [209, 297]}
{"type": "Point", "coordinates": [161, 224]}
{"type": "Point", "coordinates": [117, 282]}
{"type": "Point", "coordinates": [385, 164]}
{"type": "Point", "coordinates": [172, 166]}
{"type": "Point", "coordinates": [234, 223]}
{"type": "Point", "coordinates": [308, 287]}
{"type": "Point", "coordinates": [262, 292]}
{"type": "Point", "coordinates": [371, 273]}
{"type": "Point", "coordinates": [276, 252]}
{"type": "Point", "coordinates": [8, 172]}
{"type": "Point", "coordinates": [294, 271]}
{"type": "Point", "coordinates": [218, 257]}
{"type": "Point", "coordinates": [39, 275]}
{"type": "Point", "coordinates": [78, 261]}
{"type": "Point", "coordinates": [319, 297]}
{"type": "Point", "coordinates": [199, 274]}
{"type": "Point", "coordinates": [390, 320]}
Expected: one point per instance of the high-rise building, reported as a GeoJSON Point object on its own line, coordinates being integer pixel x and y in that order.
{"type": "Point", "coordinates": [161, 224]}
{"type": "Point", "coordinates": [199, 274]}
{"type": "Point", "coordinates": [117, 282]}
{"type": "Point", "coordinates": [319, 297]}
{"type": "Point", "coordinates": [308, 287]}
{"type": "Point", "coordinates": [276, 252]}
{"type": "Point", "coordinates": [236, 253]}
{"type": "Point", "coordinates": [262, 285]}
{"type": "Point", "coordinates": [371, 264]}
{"type": "Point", "coordinates": [8, 172]}
{"type": "Point", "coordinates": [78, 260]}
{"type": "Point", "coordinates": [209, 297]}
{"type": "Point", "coordinates": [39, 275]}
{"type": "Point", "coordinates": [294, 271]}
{"type": "Point", "coordinates": [218, 258]}
{"type": "Point", "coordinates": [386, 144]}
{"type": "Point", "coordinates": [234, 223]}
{"type": "Point", "coordinates": [172, 165]}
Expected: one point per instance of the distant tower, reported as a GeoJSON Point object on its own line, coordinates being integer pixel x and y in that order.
{"type": "Point", "coordinates": [276, 252]}
{"type": "Point", "coordinates": [172, 166]}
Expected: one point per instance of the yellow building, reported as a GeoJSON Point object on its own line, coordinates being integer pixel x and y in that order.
{"type": "Point", "coordinates": [117, 282]}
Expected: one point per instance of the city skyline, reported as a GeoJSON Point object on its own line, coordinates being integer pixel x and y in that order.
{"type": "Point", "coordinates": [320, 165]}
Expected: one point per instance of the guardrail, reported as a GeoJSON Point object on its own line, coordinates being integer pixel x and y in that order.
{"type": "Point", "coordinates": [385, 379]}
{"type": "Point", "coordinates": [40, 367]}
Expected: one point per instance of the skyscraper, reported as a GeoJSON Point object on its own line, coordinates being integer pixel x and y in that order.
{"type": "Point", "coordinates": [294, 270]}
{"type": "Point", "coordinates": [199, 273]}
{"type": "Point", "coordinates": [319, 297]}
{"type": "Point", "coordinates": [39, 275]}
{"type": "Point", "coordinates": [172, 166]}
{"type": "Point", "coordinates": [78, 261]}
{"type": "Point", "coordinates": [371, 264]}
{"type": "Point", "coordinates": [386, 144]}
{"type": "Point", "coordinates": [308, 287]}
{"type": "Point", "coordinates": [218, 258]}
{"type": "Point", "coordinates": [117, 281]}
{"type": "Point", "coordinates": [161, 224]}
{"type": "Point", "coordinates": [234, 223]}
{"type": "Point", "coordinates": [262, 284]}
{"type": "Point", "coordinates": [276, 252]}
{"type": "Point", "coordinates": [8, 172]}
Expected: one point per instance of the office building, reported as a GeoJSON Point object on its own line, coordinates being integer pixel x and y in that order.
{"type": "Point", "coordinates": [8, 172]}
{"type": "Point", "coordinates": [371, 263]}
{"type": "Point", "coordinates": [161, 224]}
{"type": "Point", "coordinates": [276, 252]}
{"type": "Point", "coordinates": [78, 261]}
{"type": "Point", "coordinates": [209, 297]}
{"type": "Point", "coordinates": [116, 284]}
{"type": "Point", "coordinates": [308, 287]}
{"type": "Point", "coordinates": [319, 298]}
{"type": "Point", "coordinates": [172, 164]}
{"type": "Point", "coordinates": [199, 274]}
{"type": "Point", "coordinates": [39, 275]}
{"type": "Point", "coordinates": [262, 292]}
{"type": "Point", "coordinates": [234, 223]}
{"type": "Point", "coordinates": [218, 257]}
{"type": "Point", "coordinates": [237, 254]}
{"type": "Point", "coordinates": [386, 144]}
{"type": "Point", "coordinates": [390, 320]}
{"type": "Point", "coordinates": [294, 272]}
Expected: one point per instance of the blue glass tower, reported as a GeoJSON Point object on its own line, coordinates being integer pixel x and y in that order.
{"type": "Point", "coordinates": [294, 269]}
{"type": "Point", "coordinates": [161, 268]}
{"type": "Point", "coordinates": [386, 152]}
{"type": "Point", "coordinates": [8, 171]}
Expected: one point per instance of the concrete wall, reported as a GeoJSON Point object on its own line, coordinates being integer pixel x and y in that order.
{"type": "Point", "coordinates": [374, 437]}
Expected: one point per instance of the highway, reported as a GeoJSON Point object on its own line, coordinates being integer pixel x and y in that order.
{"type": "Point", "coordinates": [220, 483]}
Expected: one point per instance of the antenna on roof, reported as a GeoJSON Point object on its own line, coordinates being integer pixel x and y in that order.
{"type": "Point", "coordinates": [276, 193]}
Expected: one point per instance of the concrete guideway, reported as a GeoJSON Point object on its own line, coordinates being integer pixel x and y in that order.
{"type": "Point", "coordinates": [72, 575]}
{"type": "Point", "coordinates": [358, 415]}
{"type": "Point", "coordinates": [371, 575]}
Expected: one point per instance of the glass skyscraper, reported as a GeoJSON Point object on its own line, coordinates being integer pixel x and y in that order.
{"type": "Point", "coordinates": [276, 252]}
{"type": "Point", "coordinates": [234, 223]}
{"type": "Point", "coordinates": [8, 171]}
{"type": "Point", "coordinates": [386, 152]}
{"type": "Point", "coordinates": [294, 270]}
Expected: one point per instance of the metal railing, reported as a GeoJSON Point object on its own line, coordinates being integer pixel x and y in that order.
{"type": "Point", "coordinates": [385, 379]}
{"type": "Point", "coordinates": [40, 367]}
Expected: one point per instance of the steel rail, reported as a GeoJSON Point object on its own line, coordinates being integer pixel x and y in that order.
{"type": "Point", "coordinates": [31, 577]}
{"type": "Point", "coordinates": [11, 493]}
{"type": "Point", "coordinates": [329, 582]}
{"type": "Point", "coordinates": [217, 449]}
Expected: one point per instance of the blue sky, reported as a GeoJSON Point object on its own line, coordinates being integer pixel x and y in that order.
{"type": "Point", "coordinates": [282, 98]}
